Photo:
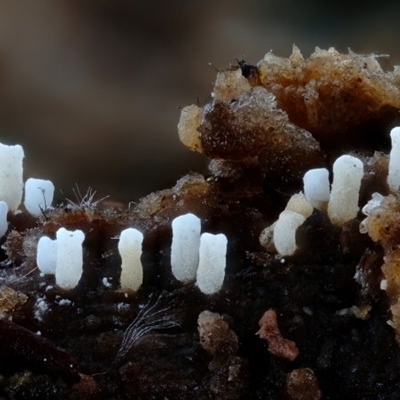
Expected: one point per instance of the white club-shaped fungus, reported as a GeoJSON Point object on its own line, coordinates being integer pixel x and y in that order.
{"type": "Point", "coordinates": [343, 202]}
{"type": "Point", "coordinates": [212, 262]}
{"type": "Point", "coordinates": [46, 256]}
{"type": "Point", "coordinates": [38, 195]}
{"type": "Point", "coordinates": [285, 232]}
{"type": "Point", "coordinates": [11, 171]}
{"type": "Point", "coordinates": [3, 218]}
{"type": "Point", "coordinates": [130, 250]}
{"type": "Point", "coordinates": [393, 178]}
{"type": "Point", "coordinates": [185, 247]}
{"type": "Point", "coordinates": [69, 265]}
{"type": "Point", "coordinates": [316, 187]}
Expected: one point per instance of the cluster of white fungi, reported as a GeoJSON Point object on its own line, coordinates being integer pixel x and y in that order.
{"type": "Point", "coordinates": [339, 200]}
{"type": "Point", "coordinates": [195, 256]}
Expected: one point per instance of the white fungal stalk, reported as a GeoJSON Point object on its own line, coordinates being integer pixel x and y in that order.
{"type": "Point", "coordinates": [281, 235]}
{"type": "Point", "coordinates": [393, 178]}
{"type": "Point", "coordinates": [38, 195]}
{"type": "Point", "coordinates": [69, 265]}
{"type": "Point", "coordinates": [285, 232]}
{"type": "Point", "coordinates": [185, 247]}
{"type": "Point", "coordinates": [46, 256]}
{"type": "Point", "coordinates": [212, 262]}
{"type": "Point", "coordinates": [316, 187]}
{"type": "Point", "coordinates": [11, 170]}
{"type": "Point", "coordinates": [130, 250]}
{"type": "Point", "coordinates": [343, 202]}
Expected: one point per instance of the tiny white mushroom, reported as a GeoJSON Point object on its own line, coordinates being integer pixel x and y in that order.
{"type": "Point", "coordinates": [11, 170]}
{"type": "Point", "coordinates": [343, 202]}
{"type": "Point", "coordinates": [130, 250]}
{"type": "Point", "coordinates": [316, 187]}
{"type": "Point", "coordinates": [69, 265]}
{"type": "Point", "coordinates": [393, 178]}
{"type": "Point", "coordinates": [185, 247]}
{"type": "Point", "coordinates": [285, 232]}
{"type": "Point", "coordinates": [212, 262]}
{"type": "Point", "coordinates": [46, 256]}
{"type": "Point", "coordinates": [38, 195]}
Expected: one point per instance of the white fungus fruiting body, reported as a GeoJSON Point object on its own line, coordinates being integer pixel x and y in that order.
{"type": "Point", "coordinates": [3, 218]}
{"type": "Point", "coordinates": [285, 232]}
{"type": "Point", "coordinates": [38, 195]}
{"type": "Point", "coordinates": [316, 187]}
{"type": "Point", "coordinates": [69, 265]}
{"type": "Point", "coordinates": [212, 262]}
{"type": "Point", "coordinates": [11, 171]}
{"type": "Point", "coordinates": [46, 256]}
{"type": "Point", "coordinates": [130, 250]}
{"type": "Point", "coordinates": [185, 247]}
{"type": "Point", "coordinates": [393, 178]}
{"type": "Point", "coordinates": [343, 202]}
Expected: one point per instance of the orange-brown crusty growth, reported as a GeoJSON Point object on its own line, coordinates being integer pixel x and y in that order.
{"type": "Point", "coordinates": [252, 126]}
{"type": "Point", "coordinates": [294, 114]}
{"type": "Point", "coordinates": [383, 226]}
{"type": "Point", "coordinates": [347, 96]}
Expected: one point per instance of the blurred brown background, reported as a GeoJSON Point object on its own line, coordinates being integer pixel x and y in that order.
{"type": "Point", "coordinates": [92, 89]}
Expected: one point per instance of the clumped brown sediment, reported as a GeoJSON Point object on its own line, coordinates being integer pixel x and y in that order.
{"type": "Point", "coordinates": [265, 127]}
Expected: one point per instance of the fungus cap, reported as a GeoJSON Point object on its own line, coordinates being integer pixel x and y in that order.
{"type": "Point", "coordinates": [316, 187]}
{"type": "Point", "coordinates": [343, 202]}
{"type": "Point", "coordinates": [130, 250]}
{"type": "Point", "coordinates": [285, 232]}
{"type": "Point", "coordinates": [11, 171]}
{"type": "Point", "coordinates": [69, 265]}
{"type": "Point", "coordinates": [38, 195]}
{"type": "Point", "coordinates": [185, 247]}
{"type": "Point", "coordinates": [46, 256]}
{"type": "Point", "coordinates": [212, 262]}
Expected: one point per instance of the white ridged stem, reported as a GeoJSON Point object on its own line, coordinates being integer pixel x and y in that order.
{"type": "Point", "coordinates": [343, 202]}
{"type": "Point", "coordinates": [285, 232]}
{"type": "Point", "coordinates": [185, 247]}
{"type": "Point", "coordinates": [46, 256]}
{"type": "Point", "coordinates": [69, 266]}
{"type": "Point", "coordinates": [130, 250]}
{"type": "Point", "coordinates": [11, 170]}
{"type": "Point", "coordinates": [212, 262]}
{"type": "Point", "coordinates": [316, 187]}
{"type": "Point", "coordinates": [38, 195]}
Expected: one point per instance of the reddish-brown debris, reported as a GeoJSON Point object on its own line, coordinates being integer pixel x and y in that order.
{"type": "Point", "coordinates": [277, 344]}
